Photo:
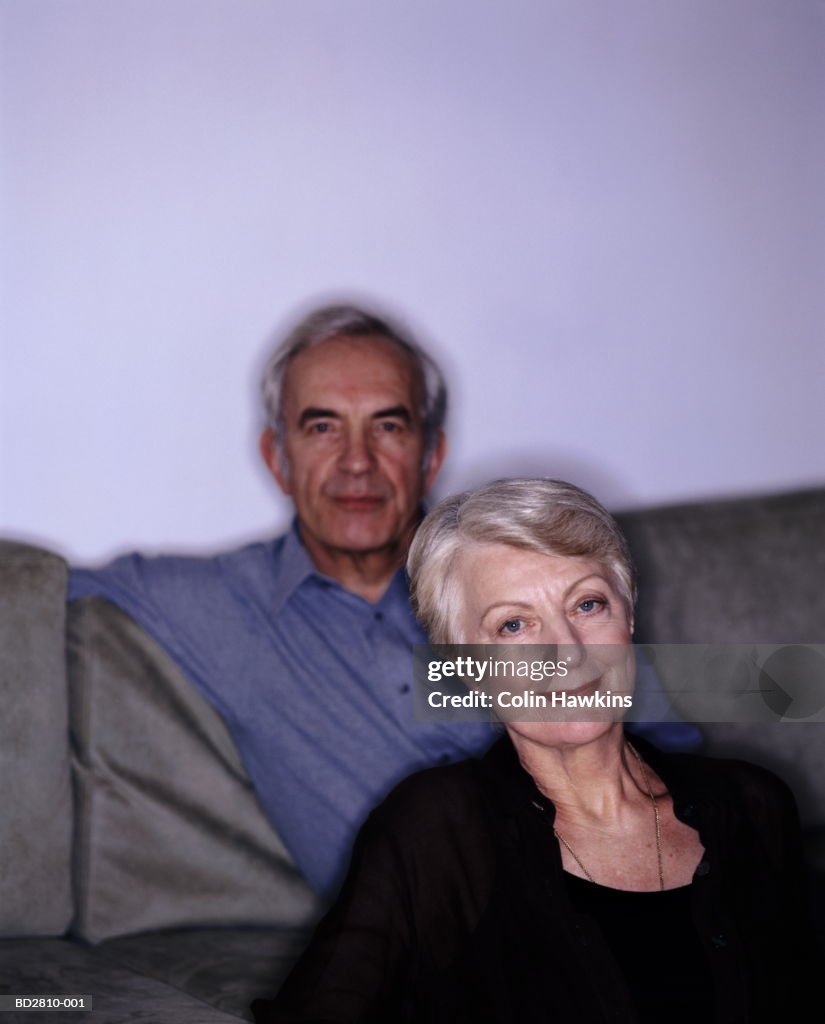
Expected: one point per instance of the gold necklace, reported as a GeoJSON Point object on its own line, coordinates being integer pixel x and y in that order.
{"type": "Point", "coordinates": [649, 789]}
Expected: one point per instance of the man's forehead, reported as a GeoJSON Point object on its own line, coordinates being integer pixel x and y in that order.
{"type": "Point", "coordinates": [352, 369]}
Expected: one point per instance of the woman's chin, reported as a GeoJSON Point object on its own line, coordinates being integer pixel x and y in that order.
{"type": "Point", "coordinates": [562, 734]}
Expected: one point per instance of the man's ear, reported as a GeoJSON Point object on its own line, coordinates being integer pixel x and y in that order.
{"type": "Point", "coordinates": [271, 454]}
{"type": "Point", "coordinates": [435, 461]}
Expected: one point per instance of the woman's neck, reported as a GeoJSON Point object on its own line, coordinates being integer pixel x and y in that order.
{"type": "Point", "coordinates": [596, 780]}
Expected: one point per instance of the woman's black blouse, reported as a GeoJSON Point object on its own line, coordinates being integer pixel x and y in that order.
{"type": "Point", "coordinates": [456, 908]}
{"type": "Point", "coordinates": [654, 941]}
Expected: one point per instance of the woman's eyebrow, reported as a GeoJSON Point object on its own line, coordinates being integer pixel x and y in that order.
{"type": "Point", "coordinates": [590, 576]}
{"type": "Point", "coordinates": [504, 604]}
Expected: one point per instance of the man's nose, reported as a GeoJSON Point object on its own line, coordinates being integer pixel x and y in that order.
{"type": "Point", "coordinates": [356, 453]}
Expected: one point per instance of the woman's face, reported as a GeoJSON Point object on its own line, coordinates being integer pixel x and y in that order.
{"type": "Point", "coordinates": [511, 596]}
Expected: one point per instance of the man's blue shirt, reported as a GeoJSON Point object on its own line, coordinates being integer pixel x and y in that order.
{"type": "Point", "coordinates": [312, 681]}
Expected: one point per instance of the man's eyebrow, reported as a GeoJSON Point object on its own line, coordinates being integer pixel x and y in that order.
{"type": "Point", "coordinates": [400, 412]}
{"type": "Point", "coordinates": [312, 413]}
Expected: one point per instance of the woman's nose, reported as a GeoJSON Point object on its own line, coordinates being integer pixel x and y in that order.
{"type": "Point", "coordinates": [569, 646]}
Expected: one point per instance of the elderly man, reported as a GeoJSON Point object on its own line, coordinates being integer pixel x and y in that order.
{"type": "Point", "coordinates": [303, 643]}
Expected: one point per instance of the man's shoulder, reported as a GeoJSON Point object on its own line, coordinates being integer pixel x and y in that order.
{"type": "Point", "coordinates": [139, 572]}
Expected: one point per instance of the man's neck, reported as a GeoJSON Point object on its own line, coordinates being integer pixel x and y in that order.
{"type": "Point", "coordinates": [365, 573]}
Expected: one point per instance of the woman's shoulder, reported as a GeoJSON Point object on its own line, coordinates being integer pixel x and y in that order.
{"type": "Point", "coordinates": [750, 786]}
{"type": "Point", "coordinates": [443, 805]}
{"type": "Point", "coordinates": [759, 788]}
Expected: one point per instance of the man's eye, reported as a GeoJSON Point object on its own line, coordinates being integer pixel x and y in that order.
{"type": "Point", "coordinates": [389, 426]}
{"type": "Point", "coordinates": [320, 428]}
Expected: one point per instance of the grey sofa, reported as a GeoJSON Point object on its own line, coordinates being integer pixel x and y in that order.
{"type": "Point", "coordinates": [135, 864]}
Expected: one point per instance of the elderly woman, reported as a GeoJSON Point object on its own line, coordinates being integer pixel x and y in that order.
{"type": "Point", "coordinates": [569, 874]}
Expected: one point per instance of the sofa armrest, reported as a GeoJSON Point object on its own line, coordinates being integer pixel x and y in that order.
{"type": "Point", "coordinates": [35, 786]}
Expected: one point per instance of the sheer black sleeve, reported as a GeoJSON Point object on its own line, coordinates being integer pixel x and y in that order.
{"type": "Point", "coordinates": [353, 970]}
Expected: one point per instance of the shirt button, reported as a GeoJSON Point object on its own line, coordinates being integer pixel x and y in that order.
{"type": "Point", "coordinates": [405, 688]}
{"type": "Point", "coordinates": [379, 616]}
{"type": "Point", "coordinates": [702, 869]}
{"type": "Point", "coordinates": [719, 941]}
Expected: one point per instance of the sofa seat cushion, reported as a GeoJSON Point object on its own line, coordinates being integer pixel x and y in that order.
{"type": "Point", "coordinates": [119, 994]}
{"type": "Point", "coordinates": [224, 967]}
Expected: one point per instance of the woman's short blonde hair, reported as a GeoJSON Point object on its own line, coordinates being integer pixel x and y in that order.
{"type": "Point", "coordinates": [551, 517]}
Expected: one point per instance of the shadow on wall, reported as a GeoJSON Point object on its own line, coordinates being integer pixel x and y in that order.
{"type": "Point", "coordinates": [554, 463]}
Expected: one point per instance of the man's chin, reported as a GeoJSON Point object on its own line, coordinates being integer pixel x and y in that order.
{"type": "Point", "coordinates": [361, 538]}
{"type": "Point", "coordinates": [360, 532]}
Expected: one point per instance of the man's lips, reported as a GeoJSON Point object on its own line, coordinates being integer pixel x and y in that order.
{"type": "Point", "coordinates": [359, 503]}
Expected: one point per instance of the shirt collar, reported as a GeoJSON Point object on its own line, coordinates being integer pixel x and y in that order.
{"type": "Point", "coordinates": [295, 568]}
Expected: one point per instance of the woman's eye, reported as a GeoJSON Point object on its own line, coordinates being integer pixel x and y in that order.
{"type": "Point", "coordinates": [591, 604]}
{"type": "Point", "coordinates": [511, 627]}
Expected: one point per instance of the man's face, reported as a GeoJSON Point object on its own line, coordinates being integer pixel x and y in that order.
{"type": "Point", "coordinates": [353, 446]}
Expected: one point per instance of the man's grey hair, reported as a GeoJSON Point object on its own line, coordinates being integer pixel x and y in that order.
{"type": "Point", "coordinates": [342, 321]}
{"type": "Point", "coordinates": [551, 517]}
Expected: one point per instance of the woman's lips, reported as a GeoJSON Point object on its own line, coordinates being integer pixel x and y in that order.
{"type": "Point", "coordinates": [578, 688]}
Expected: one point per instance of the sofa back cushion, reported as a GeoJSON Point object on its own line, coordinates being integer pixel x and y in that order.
{"type": "Point", "coordinates": [731, 572]}
{"type": "Point", "coordinates": [747, 571]}
{"type": "Point", "coordinates": [169, 832]}
{"type": "Point", "coordinates": [35, 786]}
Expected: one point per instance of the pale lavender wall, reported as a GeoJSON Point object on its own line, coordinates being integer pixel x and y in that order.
{"type": "Point", "coordinates": [608, 216]}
